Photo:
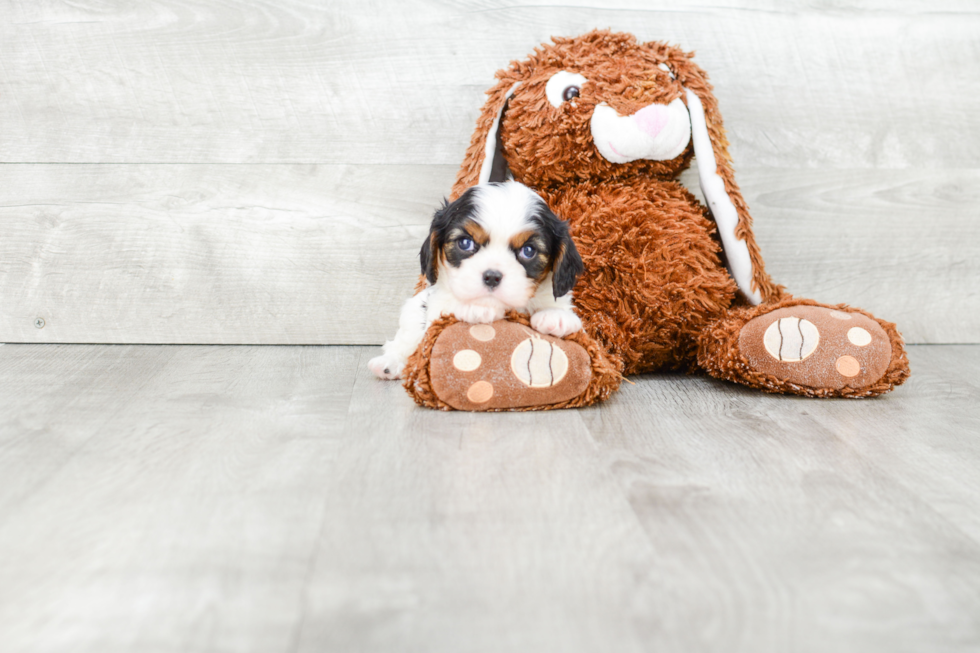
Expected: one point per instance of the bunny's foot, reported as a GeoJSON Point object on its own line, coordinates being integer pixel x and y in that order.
{"type": "Point", "coordinates": [506, 365]}
{"type": "Point", "coordinates": [801, 347]}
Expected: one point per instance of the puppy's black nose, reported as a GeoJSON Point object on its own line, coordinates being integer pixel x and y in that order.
{"type": "Point", "coordinates": [491, 278]}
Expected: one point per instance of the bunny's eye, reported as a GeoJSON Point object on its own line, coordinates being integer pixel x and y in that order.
{"type": "Point", "coordinates": [667, 69]}
{"type": "Point", "coordinates": [564, 87]}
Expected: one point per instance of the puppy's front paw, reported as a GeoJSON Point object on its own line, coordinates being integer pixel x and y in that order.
{"type": "Point", "coordinates": [478, 314]}
{"type": "Point", "coordinates": [556, 322]}
{"type": "Point", "coordinates": [387, 366]}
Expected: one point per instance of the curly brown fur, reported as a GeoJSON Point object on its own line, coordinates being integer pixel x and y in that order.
{"type": "Point", "coordinates": [651, 285]}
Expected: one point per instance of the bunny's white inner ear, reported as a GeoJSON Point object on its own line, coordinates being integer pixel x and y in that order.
{"type": "Point", "coordinates": [719, 203]}
{"type": "Point", "coordinates": [494, 166]}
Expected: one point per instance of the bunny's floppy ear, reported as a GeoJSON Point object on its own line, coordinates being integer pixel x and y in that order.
{"type": "Point", "coordinates": [722, 194]}
{"type": "Point", "coordinates": [484, 161]}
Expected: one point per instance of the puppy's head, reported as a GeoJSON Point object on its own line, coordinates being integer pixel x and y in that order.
{"type": "Point", "coordinates": [496, 244]}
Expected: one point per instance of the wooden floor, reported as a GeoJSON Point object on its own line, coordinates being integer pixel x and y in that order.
{"type": "Point", "coordinates": [216, 498]}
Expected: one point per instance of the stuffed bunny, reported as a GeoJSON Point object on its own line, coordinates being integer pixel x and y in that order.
{"type": "Point", "coordinates": [601, 126]}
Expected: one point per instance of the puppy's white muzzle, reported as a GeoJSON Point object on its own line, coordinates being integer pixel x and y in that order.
{"type": "Point", "coordinates": [491, 277]}
{"type": "Point", "coordinates": [658, 131]}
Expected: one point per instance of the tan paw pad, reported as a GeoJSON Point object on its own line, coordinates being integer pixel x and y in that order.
{"type": "Point", "coordinates": [848, 366]}
{"type": "Point", "coordinates": [480, 392]}
{"type": "Point", "coordinates": [538, 363]}
{"type": "Point", "coordinates": [859, 337]}
{"type": "Point", "coordinates": [816, 347]}
{"type": "Point", "coordinates": [791, 339]}
{"type": "Point", "coordinates": [467, 360]}
{"type": "Point", "coordinates": [482, 332]}
{"type": "Point", "coordinates": [505, 365]}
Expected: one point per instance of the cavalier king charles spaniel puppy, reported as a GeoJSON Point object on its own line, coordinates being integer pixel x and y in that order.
{"type": "Point", "coordinates": [496, 248]}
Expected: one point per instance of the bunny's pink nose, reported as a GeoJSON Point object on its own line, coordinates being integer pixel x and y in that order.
{"type": "Point", "coordinates": [651, 119]}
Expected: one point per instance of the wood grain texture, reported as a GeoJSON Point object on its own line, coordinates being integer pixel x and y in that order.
{"type": "Point", "coordinates": [211, 254]}
{"type": "Point", "coordinates": [780, 526]}
{"type": "Point", "coordinates": [901, 244]}
{"type": "Point", "coordinates": [801, 84]}
{"type": "Point", "coordinates": [309, 143]}
{"type": "Point", "coordinates": [327, 254]}
{"type": "Point", "coordinates": [170, 496]}
{"type": "Point", "coordinates": [279, 499]}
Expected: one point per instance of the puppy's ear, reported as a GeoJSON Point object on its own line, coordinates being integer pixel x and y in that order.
{"type": "Point", "coordinates": [428, 261]}
{"type": "Point", "coordinates": [568, 266]}
{"type": "Point", "coordinates": [429, 254]}
{"type": "Point", "coordinates": [566, 263]}
{"type": "Point", "coordinates": [717, 178]}
{"type": "Point", "coordinates": [484, 162]}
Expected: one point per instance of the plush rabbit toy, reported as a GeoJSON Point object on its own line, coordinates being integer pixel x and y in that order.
{"type": "Point", "coordinates": [601, 126]}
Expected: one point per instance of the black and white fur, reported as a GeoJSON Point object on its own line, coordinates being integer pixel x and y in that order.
{"type": "Point", "coordinates": [496, 248]}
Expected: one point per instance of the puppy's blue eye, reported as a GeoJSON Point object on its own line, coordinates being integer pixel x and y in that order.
{"type": "Point", "coordinates": [527, 252]}
{"type": "Point", "coordinates": [466, 244]}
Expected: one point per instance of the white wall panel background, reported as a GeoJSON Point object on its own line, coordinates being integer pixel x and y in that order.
{"type": "Point", "coordinates": [262, 172]}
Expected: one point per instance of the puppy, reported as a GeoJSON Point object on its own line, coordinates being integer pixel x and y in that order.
{"type": "Point", "coordinates": [498, 247]}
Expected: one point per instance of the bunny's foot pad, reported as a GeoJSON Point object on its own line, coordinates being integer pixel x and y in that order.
{"type": "Point", "coordinates": [817, 347]}
{"type": "Point", "coordinates": [507, 365]}
{"type": "Point", "coordinates": [808, 349]}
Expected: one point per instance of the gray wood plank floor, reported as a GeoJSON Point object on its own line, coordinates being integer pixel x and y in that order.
{"type": "Point", "coordinates": [209, 498]}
